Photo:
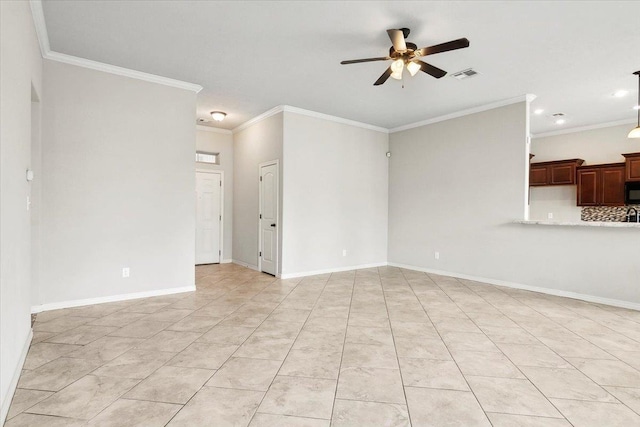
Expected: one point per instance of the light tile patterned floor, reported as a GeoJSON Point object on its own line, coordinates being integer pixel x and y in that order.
{"type": "Point", "coordinates": [376, 347]}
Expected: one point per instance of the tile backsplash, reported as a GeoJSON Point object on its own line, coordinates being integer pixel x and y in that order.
{"type": "Point", "coordinates": [606, 213]}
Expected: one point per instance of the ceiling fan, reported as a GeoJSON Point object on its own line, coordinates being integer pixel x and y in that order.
{"type": "Point", "coordinates": [406, 54]}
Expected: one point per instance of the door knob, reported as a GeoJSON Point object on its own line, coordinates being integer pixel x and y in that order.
{"type": "Point", "coordinates": [273, 225]}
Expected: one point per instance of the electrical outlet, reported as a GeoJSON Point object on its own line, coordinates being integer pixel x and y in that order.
{"type": "Point", "coordinates": [344, 252]}
{"type": "Point", "coordinates": [550, 215]}
{"type": "Point", "coordinates": [125, 272]}
{"type": "Point", "coordinates": [436, 255]}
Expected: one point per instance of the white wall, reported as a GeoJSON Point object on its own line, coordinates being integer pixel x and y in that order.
{"type": "Point", "coordinates": [212, 140]}
{"type": "Point", "coordinates": [456, 186]}
{"type": "Point", "coordinates": [258, 143]}
{"type": "Point", "coordinates": [596, 146]}
{"type": "Point", "coordinates": [335, 195]}
{"type": "Point", "coordinates": [20, 69]}
{"type": "Point", "coordinates": [118, 185]}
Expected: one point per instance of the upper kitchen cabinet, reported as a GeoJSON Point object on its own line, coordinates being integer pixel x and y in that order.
{"type": "Point", "coordinates": [601, 185]}
{"type": "Point", "coordinates": [559, 172]}
{"type": "Point", "coordinates": [632, 166]}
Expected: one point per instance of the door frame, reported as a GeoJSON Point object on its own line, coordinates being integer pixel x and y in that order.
{"type": "Point", "coordinates": [221, 244]}
{"type": "Point", "coordinates": [275, 162]}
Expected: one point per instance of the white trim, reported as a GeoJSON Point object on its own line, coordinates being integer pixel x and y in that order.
{"type": "Point", "coordinates": [275, 162]}
{"type": "Point", "coordinates": [523, 98]}
{"type": "Point", "coordinates": [585, 128]}
{"type": "Point", "coordinates": [332, 270]}
{"type": "Point", "coordinates": [259, 118]}
{"type": "Point", "coordinates": [221, 243]}
{"type": "Point", "coordinates": [126, 72]}
{"type": "Point", "coordinates": [112, 298]}
{"type": "Point", "coordinates": [301, 111]}
{"type": "Point", "coordinates": [41, 26]}
{"type": "Point", "coordinates": [513, 285]}
{"type": "Point", "coordinates": [244, 264]}
{"type": "Point", "coordinates": [6, 403]}
{"type": "Point", "coordinates": [212, 129]}
{"type": "Point", "coordinates": [45, 49]}
{"type": "Point", "coordinates": [226, 261]}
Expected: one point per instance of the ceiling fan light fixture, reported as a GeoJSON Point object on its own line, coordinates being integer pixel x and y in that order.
{"type": "Point", "coordinates": [413, 68]}
{"type": "Point", "coordinates": [218, 116]}
{"type": "Point", "coordinates": [396, 75]}
{"type": "Point", "coordinates": [397, 66]}
{"type": "Point", "coordinates": [635, 132]}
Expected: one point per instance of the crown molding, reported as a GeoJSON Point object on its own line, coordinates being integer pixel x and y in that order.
{"type": "Point", "coordinates": [120, 71]}
{"type": "Point", "coordinates": [45, 49]}
{"type": "Point", "coordinates": [585, 128]}
{"type": "Point", "coordinates": [41, 27]}
{"type": "Point", "coordinates": [259, 118]}
{"type": "Point", "coordinates": [523, 98]}
{"type": "Point", "coordinates": [212, 129]}
{"type": "Point", "coordinates": [309, 113]}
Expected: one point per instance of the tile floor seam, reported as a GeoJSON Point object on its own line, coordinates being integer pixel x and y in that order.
{"type": "Point", "coordinates": [292, 344]}
{"type": "Point", "coordinates": [514, 364]}
{"type": "Point", "coordinates": [445, 344]}
{"type": "Point", "coordinates": [344, 343]}
{"type": "Point", "coordinates": [395, 349]}
{"type": "Point", "coordinates": [571, 364]}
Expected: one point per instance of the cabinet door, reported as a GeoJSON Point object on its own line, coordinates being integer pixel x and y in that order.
{"type": "Point", "coordinates": [633, 169]}
{"type": "Point", "coordinates": [588, 187]}
{"type": "Point", "coordinates": [538, 175]}
{"type": "Point", "coordinates": [612, 186]}
{"type": "Point", "coordinates": [562, 175]}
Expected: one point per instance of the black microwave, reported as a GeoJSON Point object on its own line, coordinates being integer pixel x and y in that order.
{"type": "Point", "coordinates": [632, 193]}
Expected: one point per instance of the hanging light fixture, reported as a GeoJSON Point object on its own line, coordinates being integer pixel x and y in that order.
{"type": "Point", "coordinates": [413, 68]}
{"type": "Point", "coordinates": [635, 132]}
{"type": "Point", "coordinates": [218, 116]}
{"type": "Point", "coordinates": [396, 67]}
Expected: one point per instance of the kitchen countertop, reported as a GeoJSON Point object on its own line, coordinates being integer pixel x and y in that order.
{"type": "Point", "coordinates": [582, 224]}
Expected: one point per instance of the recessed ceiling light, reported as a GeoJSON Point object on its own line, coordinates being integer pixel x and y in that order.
{"type": "Point", "coordinates": [620, 93]}
{"type": "Point", "coordinates": [538, 111]}
{"type": "Point", "coordinates": [559, 118]}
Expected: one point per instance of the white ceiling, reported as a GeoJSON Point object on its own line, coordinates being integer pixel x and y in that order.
{"type": "Point", "coordinates": [252, 56]}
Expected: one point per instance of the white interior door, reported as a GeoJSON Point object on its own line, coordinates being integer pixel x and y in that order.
{"type": "Point", "coordinates": [269, 218]}
{"type": "Point", "coordinates": [208, 217]}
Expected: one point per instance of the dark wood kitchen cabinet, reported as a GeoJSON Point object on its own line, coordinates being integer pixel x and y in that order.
{"type": "Point", "coordinates": [559, 172]}
{"type": "Point", "coordinates": [632, 167]}
{"type": "Point", "coordinates": [601, 185]}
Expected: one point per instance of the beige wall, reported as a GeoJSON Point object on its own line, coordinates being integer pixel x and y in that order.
{"type": "Point", "coordinates": [596, 146]}
{"type": "Point", "coordinates": [217, 142]}
{"type": "Point", "coordinates": [20, 79]}
{"type": "Point", "coordinates": [456, 186]}
{"type": "Point", "coordinates": [118, 185]}
{"type": "Point", "coordinates": [335, 195]}
{"type": "Point", "coordinates": [258, 143]}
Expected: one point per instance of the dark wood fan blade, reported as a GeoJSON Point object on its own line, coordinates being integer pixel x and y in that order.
{"type": "Point", "coordinates": [383, 78]}
{"type": "Point", "coordinates": [405, 32]}
{"type": "Point", "coordinates": [356, 61]}
{"type": "Point", "coordinates": [431, 70]}
{"type": "Point", "coordinates": [397, 39]}
{"type": "Point", "coordinates": [443, 47]}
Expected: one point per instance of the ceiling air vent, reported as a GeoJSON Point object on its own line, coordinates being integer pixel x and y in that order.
{"type": "Point", "coordinates": [464, 74]}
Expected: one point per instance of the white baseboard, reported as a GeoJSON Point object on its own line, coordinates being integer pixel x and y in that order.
{"type": "Point", "coordinates": [548, 291]}
{"type": "Point", "coordinates": [244, 264]}
{"type": "Point", "coordinates": [6, 403]}
{"type": "Point", "coordinates": [331, 270]}
{"type": "Point", "coordinates": [226, 261]}
{"type": "Point", "coordinates": [112, 298]}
